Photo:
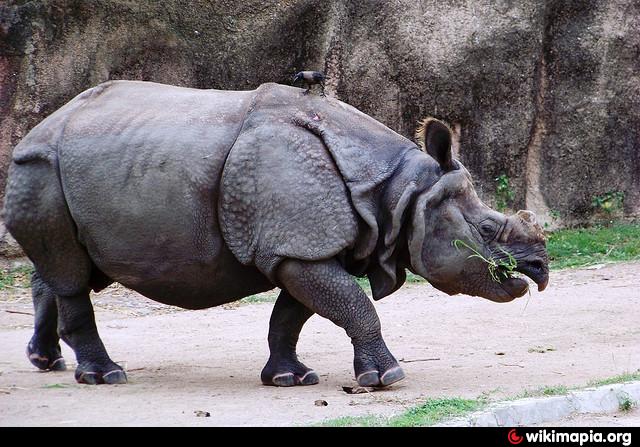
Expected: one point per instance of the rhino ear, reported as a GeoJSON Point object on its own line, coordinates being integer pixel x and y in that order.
{"type": "Point", "coordinates": [434, 137]}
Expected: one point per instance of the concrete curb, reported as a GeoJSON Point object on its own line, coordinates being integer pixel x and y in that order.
{"type": "Point", "coordinates": [603, 399]}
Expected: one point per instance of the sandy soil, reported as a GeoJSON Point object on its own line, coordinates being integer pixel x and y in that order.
{"type": "Point", "coordinates": [184, 363]}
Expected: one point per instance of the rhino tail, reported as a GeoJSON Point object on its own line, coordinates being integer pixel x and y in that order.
{"type": "Point", "coordinates": [40, 152]}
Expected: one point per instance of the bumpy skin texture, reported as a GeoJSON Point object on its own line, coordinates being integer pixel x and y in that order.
{"type": "Point", "coordinates": [200, 197]}
{"type": "Point", "coordinates": [327, 289]}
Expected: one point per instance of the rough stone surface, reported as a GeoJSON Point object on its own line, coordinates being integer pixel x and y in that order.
{"type": "Point", "coordinates": [9, 248]}
{"type": "Point", "coordinates": [546, 93]}
{"type": "Point", "coordinates": [529, 411]}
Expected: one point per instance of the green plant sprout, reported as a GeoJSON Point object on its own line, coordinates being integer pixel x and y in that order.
{"type": "Point", "coordinates": [609, 205]}
{"type": "Point", "coordinates": [494, 266]}
{"type": "Point", "coordinates": [504, 193]}
{"type": "Point", "coordinates": [625, 403]}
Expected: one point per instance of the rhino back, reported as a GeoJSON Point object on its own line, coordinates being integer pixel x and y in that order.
{"type": "Point", "coordinates": [140, 165]}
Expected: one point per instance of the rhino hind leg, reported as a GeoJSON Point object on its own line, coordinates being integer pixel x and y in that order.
{"type": "Point", "coordinates": [72, 319]}
{"type": "Point", "coordinates": [77, 327]}
{"type": "Point", "coordinates": [327, 289]}
{"type": "Point", "coordinates": [43, 349]}
{"type": "Point", "coordinates": [283, 367]}
{"type": "Point", "coordinates": [37, 216]}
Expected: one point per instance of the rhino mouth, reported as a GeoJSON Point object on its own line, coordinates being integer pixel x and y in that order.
{"type": "Point", "coordinates": [517, 286]}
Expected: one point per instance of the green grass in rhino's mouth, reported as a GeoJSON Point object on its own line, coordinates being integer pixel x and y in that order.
{"type": "Point", "coordinates": [499, 269]}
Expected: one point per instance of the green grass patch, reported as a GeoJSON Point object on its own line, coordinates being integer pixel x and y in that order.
{"type": "Point", "coordinates": [622, 378]}
{"type": "Point", "coordinates": [411, 279]}
{"type": "Point", "coordinates": [364, 283]}
{"type": "Point", "coordinates": [355, 421]}
{"type": "Point", "coordinates": [554, 390]}
{"type": "Point", "coordinates": [260, 298]}
{"type": "Point", "coordinates": [16, 277]}
{"type": "Point", "coordinates": [53, 386]}
{"type": "Point", "coordinates": [587, 246]}
{"type": "Point", "coordinates": [429, 413]}
{"type": "Point", "coordinates": [625, 403]}
{"type": "Point", "coordinates": [434, 411]}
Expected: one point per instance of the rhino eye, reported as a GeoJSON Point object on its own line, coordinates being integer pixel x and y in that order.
{"type": "Point", "coordinates": [488, 228]}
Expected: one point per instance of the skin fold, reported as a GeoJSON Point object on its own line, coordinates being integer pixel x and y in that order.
{"type": "Point", "coordinates": [196, 198]}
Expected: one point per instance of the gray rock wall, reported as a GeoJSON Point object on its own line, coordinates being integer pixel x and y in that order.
{"type": "Point", "coordinates": [546, 93]}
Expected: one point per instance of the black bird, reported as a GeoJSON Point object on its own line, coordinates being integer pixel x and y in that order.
{"type": "Point", "coordinates": [310, 78]}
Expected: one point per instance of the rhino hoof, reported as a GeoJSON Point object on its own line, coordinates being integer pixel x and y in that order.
{"type": "Point", "coordinates": [287, 371]}
{"type": "Point", "coordinates": [113, 377]}
{"type": "Point", "coordinates": [374, 379]}
{"type": "Point", "coordinates": [291, 379]}
{"type": "Point", "coordinates": [52, 361]}
{"type": "Point", "coordinates": [58, 365]}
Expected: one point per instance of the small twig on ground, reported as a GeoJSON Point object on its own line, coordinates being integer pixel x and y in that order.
{"type": "Point", "coordinates": [509, 364]}
{"type": "Point", "coordinates": [419, 360]}
{"type": "Point", "coordinates": [18, 312]}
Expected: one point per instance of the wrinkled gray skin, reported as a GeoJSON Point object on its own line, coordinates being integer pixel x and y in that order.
{"type": "Point", "coordinates": [200, 197]}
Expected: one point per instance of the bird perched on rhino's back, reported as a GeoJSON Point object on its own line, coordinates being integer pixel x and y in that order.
{"type": "Point", "coordinates": [310, 78]}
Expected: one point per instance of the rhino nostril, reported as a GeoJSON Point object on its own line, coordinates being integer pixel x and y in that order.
{"type": "Point", "coordinates": [536, 270]}
{"type": "Point", "coordinates": [536, 265]}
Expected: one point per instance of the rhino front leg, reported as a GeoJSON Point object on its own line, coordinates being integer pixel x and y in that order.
{"type": "Point", "coordinates": [283, 367]}
{"type": "Point", "coordinates": [77, 327]}
{"type": "Point", "coordinates": [43, 349]}
{"type": "Point", "coordinates": [327, 289]}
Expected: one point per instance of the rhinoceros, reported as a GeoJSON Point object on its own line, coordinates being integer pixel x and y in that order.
{"type": "Point", "coordinates": [196, 198]}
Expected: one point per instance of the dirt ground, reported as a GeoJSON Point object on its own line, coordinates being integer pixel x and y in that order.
{"type": "Point", "coordinates": [183, 364]}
